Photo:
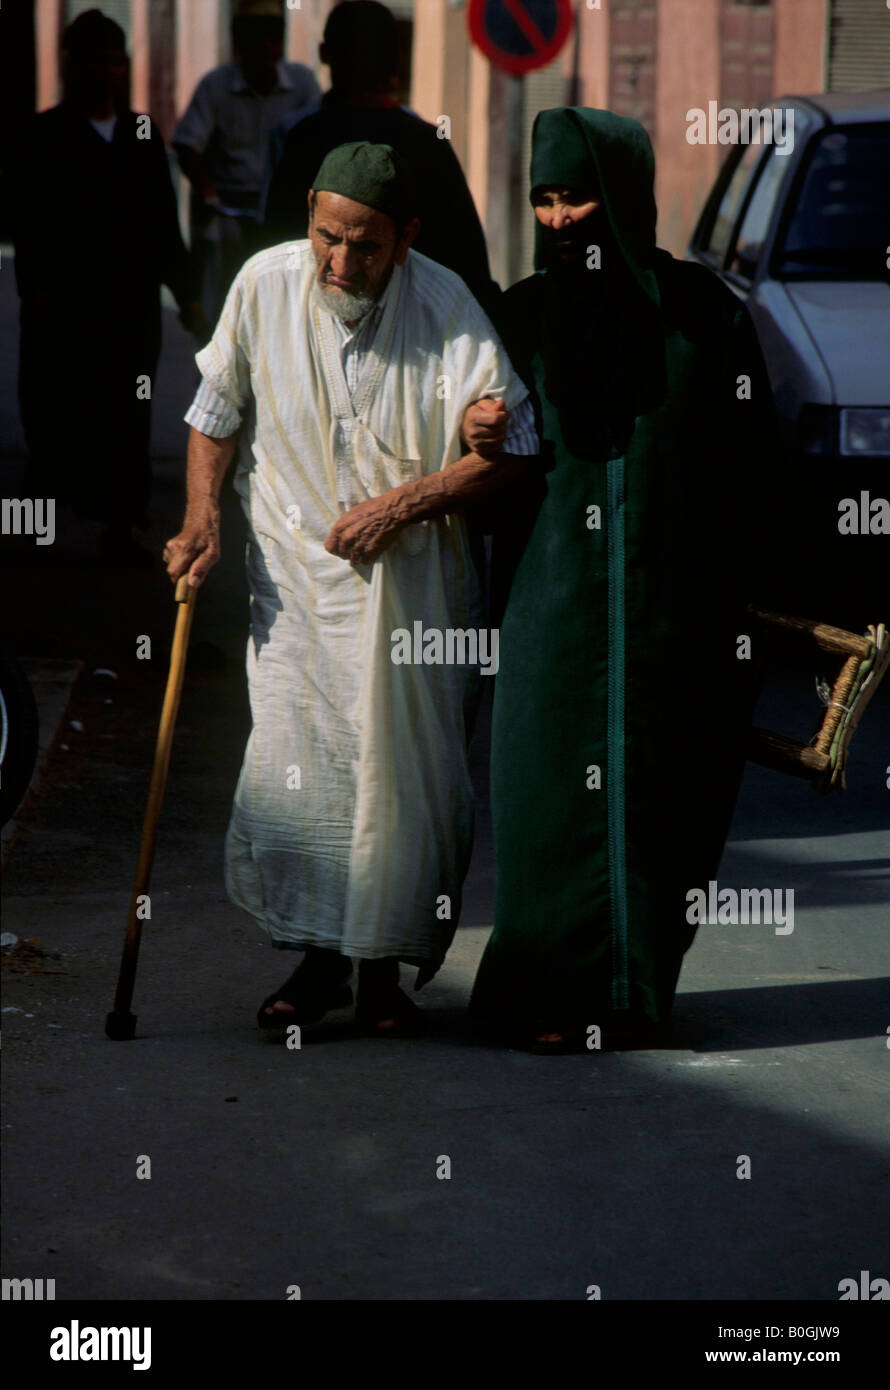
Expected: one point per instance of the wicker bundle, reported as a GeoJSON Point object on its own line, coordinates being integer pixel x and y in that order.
{"type": "Point", "coordinates": [823, 760]}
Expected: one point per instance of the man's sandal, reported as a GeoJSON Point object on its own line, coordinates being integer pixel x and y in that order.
{"type": "Point", "coordinates": [390, 1015]}
{"type": "Point", "coordinates": [310, 996]}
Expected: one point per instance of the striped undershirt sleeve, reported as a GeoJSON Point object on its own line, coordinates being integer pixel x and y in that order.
{"type": "Point", "coordinates": [521, 437]}
{"type": "Point", "coordinates": [210, 414]}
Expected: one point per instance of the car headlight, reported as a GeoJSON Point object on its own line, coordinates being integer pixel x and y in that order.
{"type": "Point", "coordinates": [865, 431]}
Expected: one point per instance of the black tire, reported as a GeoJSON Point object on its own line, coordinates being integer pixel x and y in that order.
{"type": "Point", "coordinates": [19, 729]}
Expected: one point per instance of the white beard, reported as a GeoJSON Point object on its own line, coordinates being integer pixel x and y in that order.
{"type": "Point", "coordinates": [349, 308]}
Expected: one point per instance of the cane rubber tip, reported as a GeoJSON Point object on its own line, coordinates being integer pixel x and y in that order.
{"type": "Point", "coordinates": [120, 1027]}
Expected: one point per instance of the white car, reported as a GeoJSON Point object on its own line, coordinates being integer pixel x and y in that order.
{"type": "Point", "coordinates": [802, 235]}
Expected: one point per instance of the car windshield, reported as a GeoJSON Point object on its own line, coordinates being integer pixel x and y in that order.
{"type": "Point", "coordinates": [838, 225]}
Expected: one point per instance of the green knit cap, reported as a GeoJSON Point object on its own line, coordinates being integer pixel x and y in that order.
{"type": "Point", "coordinates": [374, 175]}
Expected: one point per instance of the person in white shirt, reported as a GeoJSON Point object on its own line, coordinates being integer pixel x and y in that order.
{"type": "Point", "coordinates": [350, 362]}
{"type": "Point", "coordinates": [222, 139]}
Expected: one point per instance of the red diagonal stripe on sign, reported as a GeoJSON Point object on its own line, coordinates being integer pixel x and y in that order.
{"type": "Point", "coordinates": [522, 17]}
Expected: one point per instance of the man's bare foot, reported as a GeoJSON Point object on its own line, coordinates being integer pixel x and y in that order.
{"type": "Point", "coordinates": [280, 1006]}
{"type": "Point", "coordinates": [398, 1017]}
{"type": "Point", "coordinates": [383, 1010]}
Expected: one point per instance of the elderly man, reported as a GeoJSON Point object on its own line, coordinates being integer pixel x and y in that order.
{"type": "Point", "coordinates": [356, 359]}
{"type": "Point", "coordinates": [361, 46]}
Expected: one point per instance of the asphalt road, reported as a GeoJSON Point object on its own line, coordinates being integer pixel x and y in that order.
{"type": "Point", "coordinates": [318, 1167]}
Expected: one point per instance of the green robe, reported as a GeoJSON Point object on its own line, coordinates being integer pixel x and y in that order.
{"type": "Point", "coordinates": [621, 706]}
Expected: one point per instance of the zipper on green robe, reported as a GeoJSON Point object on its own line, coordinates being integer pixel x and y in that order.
{"type": "Point", "coordinates": [615, 788]}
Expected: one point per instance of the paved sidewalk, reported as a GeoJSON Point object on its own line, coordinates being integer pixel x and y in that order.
{"type": "Point", "coordinates": [319, 1167]}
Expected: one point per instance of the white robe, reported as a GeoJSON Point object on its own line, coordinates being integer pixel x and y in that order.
{"type": "Point", "coordinates": [353, 815]}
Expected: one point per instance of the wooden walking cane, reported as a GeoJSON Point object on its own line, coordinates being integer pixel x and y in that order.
{"type": "Point", "coordinates": [120, 1025]}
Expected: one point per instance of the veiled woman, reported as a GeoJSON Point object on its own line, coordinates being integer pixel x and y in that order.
{"type": "Point", "coordinates": [625, 692]}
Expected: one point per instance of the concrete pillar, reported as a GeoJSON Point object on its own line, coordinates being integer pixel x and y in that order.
{"type": "Point", "coordinates": [439, 69]}
{"type": "Point", "coordinates": [140, 56]}
{"type": "Point", "coordinates": [48, 26]}
{"type": "Point", "coordinates": [688, 75]}
{"type": "Point", "coordinates": [197, 48]}
{"type": "Point", "coordinates": [586, 56]}
{"type": "Point", "coordinates": [162, 66]}
{"type": "Point", "coordinates": [506, 204]}
{"type": "Point", "coordinates": [800, 54]}
{"type": "Point", "coordinates": [427, 58]}
{"type": "Point", "coordinates": [305, 26]}
{"type": "Point", "coordinates": [476, 167]}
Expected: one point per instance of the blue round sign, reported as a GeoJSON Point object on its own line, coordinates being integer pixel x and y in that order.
{"type": "Point", "coordinates": [518, 36]}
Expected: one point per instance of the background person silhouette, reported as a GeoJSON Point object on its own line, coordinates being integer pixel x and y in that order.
{"type": "Point", "coordinates": [96, 234]}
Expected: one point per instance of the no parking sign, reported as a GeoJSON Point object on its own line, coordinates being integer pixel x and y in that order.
{"type": "Point", "coordinates": [518, 36]}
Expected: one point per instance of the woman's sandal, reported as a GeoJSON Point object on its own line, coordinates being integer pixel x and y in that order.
{"type": "Point", "coordinates": [557, 1042]}
{"type": "Point", "coordinates": [622, 1032]}
{"type": "Point", "coordinates": [395, 1009]}
{"type": "Point", "coordinates": [311, 998]}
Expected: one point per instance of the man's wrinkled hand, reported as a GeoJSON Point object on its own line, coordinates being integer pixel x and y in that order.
{"type": "Point", "coordinates": [194, 551]}
{"type": "Point", "coordinates": [365, 531]}
{"type": "Point", "coordinates": [484, 426]}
